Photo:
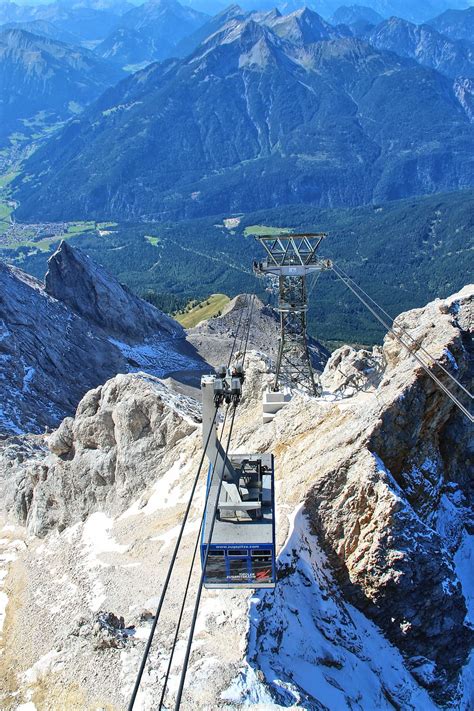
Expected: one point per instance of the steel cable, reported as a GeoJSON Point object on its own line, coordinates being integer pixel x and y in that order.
{"type": "Point", "coordinates": [410, 350]}
{"type": "Point", "coordinates": [181, 612]}
{"type": "Point", "coordinates": [176, 548]}
{"type": "Point", "coordinates": [201, 581]}
{"type": "Point", "coordinates": [406, 333]}
{"type": "Point", "coordinates": [168, 575]}
{"type": "Point", "coordinates": [235, 337]}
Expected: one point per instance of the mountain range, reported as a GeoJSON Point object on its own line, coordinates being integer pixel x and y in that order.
{"type": "Point", "coordinates": [43, 28]}
{"type": "Point", "coordinates": [424, 44]}
{"type": "Point", "coordinates": [83, 20]}
{"type": "Point", "coordinates": [413, 10]}
{"type": "Point", "coordinates": [358, 18]}
{"type": "Point", "coordinates": [456, 24]}
{"type": "Point", "coordinates": [266, 111]}
{"type": "Point", "coordinates": [150, 31]}
{"type": "Point", "coordinates": [45, 81]}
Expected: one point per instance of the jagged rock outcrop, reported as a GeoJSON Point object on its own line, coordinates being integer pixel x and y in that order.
{"type": "Point", "coordinates": [91, 292]}
{"type": "Point", "coordinates": [59, 340]}
{"type": "Point", "coordinates": [105, 630]}
{"type": "Point", "coordinates": [49, 356]}
{"type": "Point", "coordinates": [380, 500]}
{"type": "Point", "coordinates": [121, 438]}
{"type": "Point", "coordinates": [349, 370]}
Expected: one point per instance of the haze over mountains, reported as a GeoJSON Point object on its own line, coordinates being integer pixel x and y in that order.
{"type": "Point", "coordinates": [42, 76]}
{"type": "Point", "coordinates": [142, 150]}
{"type": "Point", "coordinates": [268, 110]}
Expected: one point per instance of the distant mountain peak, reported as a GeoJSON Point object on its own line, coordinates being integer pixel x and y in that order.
{"type": "Point", "coordinates": [424, 44]}
{"type": "Point", "coordinates": [351, 14]}
{"type": "Point", "coordinates": [304, 26]}
{"type": "Point", "coordinates": [232, 9]}
{"type": "Point", "coordinates": [245, 32]}
{"type": "Point", "coordinates": [455, 24]}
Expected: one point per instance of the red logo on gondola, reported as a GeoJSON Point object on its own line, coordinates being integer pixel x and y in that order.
{"type": "Point", "coordinates": [263, 574]}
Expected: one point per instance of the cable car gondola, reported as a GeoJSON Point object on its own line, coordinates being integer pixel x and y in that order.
{"type": "Point", "coordinates": [238, 534]}
{"type": "Point", "coordinates": [242, 548]}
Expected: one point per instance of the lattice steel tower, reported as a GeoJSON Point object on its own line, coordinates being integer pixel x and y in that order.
{"type": "Point", "coordinates": [291, 258]}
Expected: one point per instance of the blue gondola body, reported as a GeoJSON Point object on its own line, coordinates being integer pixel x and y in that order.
{"type": "Point", "coordinates": [241, 552]}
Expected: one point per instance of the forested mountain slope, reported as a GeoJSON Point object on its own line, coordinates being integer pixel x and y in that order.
{"type": "Point", "coordinates": [253, 120]}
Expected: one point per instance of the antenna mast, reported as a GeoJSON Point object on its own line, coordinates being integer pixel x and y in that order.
{"type": "Point", "coordinates": [291, 257]}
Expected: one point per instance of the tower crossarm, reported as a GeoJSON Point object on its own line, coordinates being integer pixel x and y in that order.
{"type": "Point", "coordinates": [291, 254]}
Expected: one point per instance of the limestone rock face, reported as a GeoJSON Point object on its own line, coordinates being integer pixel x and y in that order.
{"type": "Point", "coordinates": [92, 293]}
{"type": "Point", "coordinates": [385, 475]}
{"type": "Point", "coordinates": [122, 436]}
{"type": "Point", "coordinates": [59, 340]}
{"type": "Point", "coordinates": [352, 370]}
{"type": "Point", "coordinates": [381, 514]}
{"type": "Point", "coordinates": [49, 356]}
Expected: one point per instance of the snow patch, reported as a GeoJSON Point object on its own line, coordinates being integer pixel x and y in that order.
{"type": "Point", "coordinates": [48, 662]}
{"type": "Point", "coordinates": [7, 424]}
{"type": "Point", "coordinates": [27, 378]}
{"type": "Point", "coordinates": [451, 358]}
{"type": "Point", "coordinates": [4, 332]}
{"type": "Point", "coordinates": [96, 540]}
{"type": "Point", "coordinates": [3, 608]}
{"type": "Point", "coordinates": [155, 356]}
{"type": "Point", "coordinates": [314, 649]}
{"type": "Point", "coordinates": [464, 564]}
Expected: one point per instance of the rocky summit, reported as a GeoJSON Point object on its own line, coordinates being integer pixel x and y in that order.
{"type": "Point", "coordinates": [373, 607]}
{"type": "Point", "coordinates": [78, 329]}
{"type": "Point", "coordinates": [88, 290]}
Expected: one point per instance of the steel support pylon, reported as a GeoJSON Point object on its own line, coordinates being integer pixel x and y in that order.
{"type": "Point", "coordinates": [292, 258]}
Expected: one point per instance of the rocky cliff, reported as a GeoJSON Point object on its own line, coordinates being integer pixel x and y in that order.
{"type": "Point", "coordinates": [62, 338]}
{"type": "Point", "coordinates": [374, 527]}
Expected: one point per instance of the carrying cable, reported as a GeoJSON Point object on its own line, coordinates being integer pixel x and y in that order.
{"type": "Point", "coordinates": [204, 564]}
{"type": "Point", "coordinates": [170, 570]}
{"type": "Point", "coordinates": [248, 327]}
{"type": "Point", "coordinates": [178, 541]}
{"type": "Point", "coordinates": [181, 612]}
{"type": "Point", "coordinates": [313, 284]}
{"type": "Point", "coordinates": [452, 397]}
{"type": "Point", "coordinates": [406, 333]}
{"type": "Point", "coordinates": [235, 337]}
{"type": "Point", "coordinates": [242, 338]}
{"type": "Point", "coordinates": [245, 336]}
